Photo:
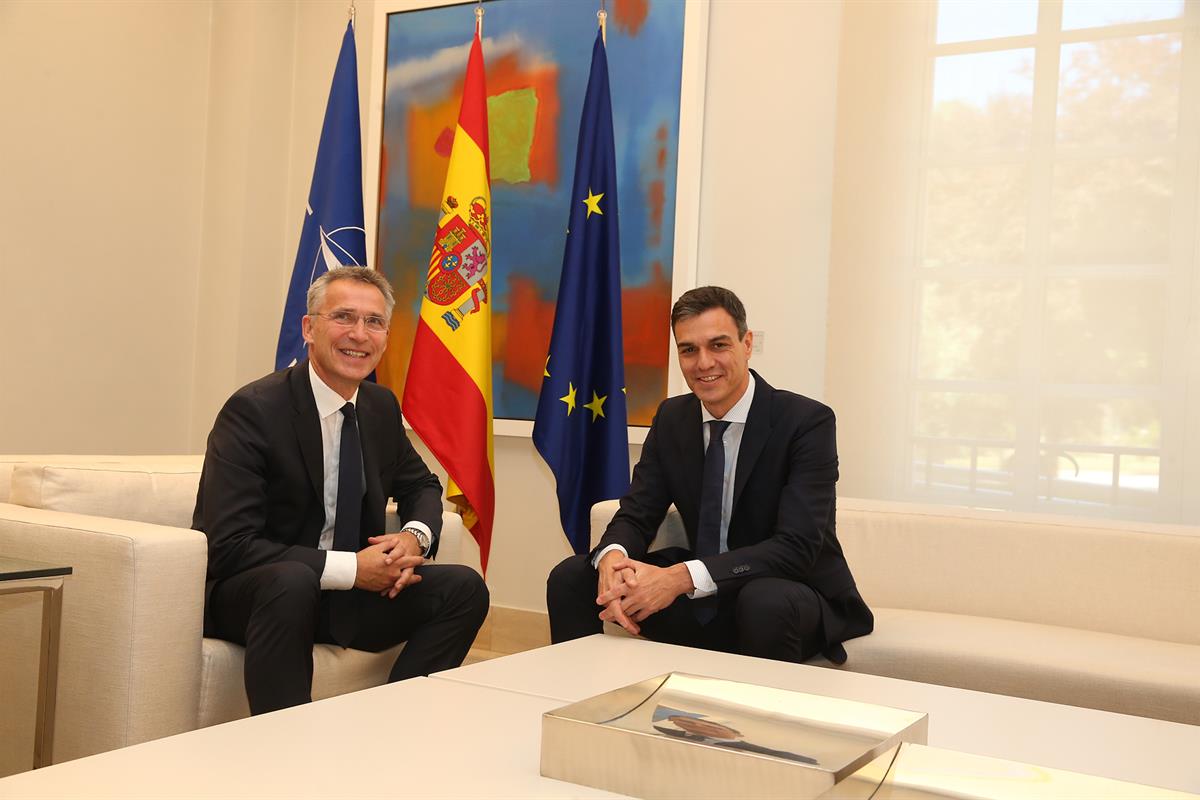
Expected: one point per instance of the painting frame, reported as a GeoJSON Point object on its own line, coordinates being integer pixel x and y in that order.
{"type": "Point", "coordinates": [689, 146]}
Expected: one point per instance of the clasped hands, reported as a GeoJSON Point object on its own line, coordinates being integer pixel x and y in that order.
{"type": "Point", "coordinates": [631, 590]}
{"type": "Point", "coordinates": [388, 565]}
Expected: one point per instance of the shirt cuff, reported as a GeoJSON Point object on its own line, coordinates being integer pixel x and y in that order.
{"type": "Point", "coordinates": [701, 579]}
{"type": "Point", "coordinates": [605, 551]}
{"type": "Point", "coordinates": [341, 568]}
{"type": "Point", "coordinates": [423, 528]}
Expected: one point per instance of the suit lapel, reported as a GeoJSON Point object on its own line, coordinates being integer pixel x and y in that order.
{"type": "Point", "coordinates": [755, 436]}
{"type": "Point", "coordinates": [308, 426]}
{"type": "Point", "coordinates": [692, 437]}
{"type": "Point", "coordinates": [688, 436]}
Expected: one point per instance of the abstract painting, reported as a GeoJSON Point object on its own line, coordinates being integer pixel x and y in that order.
{"type": "Point", "coordinates": [537, 54]}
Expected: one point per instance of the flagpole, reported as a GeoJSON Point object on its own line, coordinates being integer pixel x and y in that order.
{"type": "Point", "coordinates": [353, 12]}
{"type": "Point", "coordinates": [602, 15]}
{"type": "Point", "coordinates": [479, 19]}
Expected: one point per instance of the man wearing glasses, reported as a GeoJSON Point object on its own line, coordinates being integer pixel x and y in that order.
{"type": "Point", "coordinates": [299, 468]}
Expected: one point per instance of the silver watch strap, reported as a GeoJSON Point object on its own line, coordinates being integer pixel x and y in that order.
{"type": "Point", "coordinates": [423, 538]}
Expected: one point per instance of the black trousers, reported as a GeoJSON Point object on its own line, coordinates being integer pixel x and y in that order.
{"type": "Point", "coordinates": [768, 617]}
{"type": "Point", "coordinates": [278, 611]}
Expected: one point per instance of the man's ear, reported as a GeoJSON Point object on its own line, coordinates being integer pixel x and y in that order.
{"type": "Point", "coordinates": [749, 342]}
{"type": "Point", "coordinates": [306, 324]}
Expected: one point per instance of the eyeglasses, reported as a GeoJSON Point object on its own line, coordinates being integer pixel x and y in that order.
{"type": "Point", "coordinates": [349, 319]}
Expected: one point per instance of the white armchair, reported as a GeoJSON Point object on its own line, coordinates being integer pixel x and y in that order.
{"type": "Point", "coordinates": [134, 664]}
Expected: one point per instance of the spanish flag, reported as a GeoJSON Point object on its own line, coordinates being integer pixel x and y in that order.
{"type": "Point", "coordinates": [448, 391]}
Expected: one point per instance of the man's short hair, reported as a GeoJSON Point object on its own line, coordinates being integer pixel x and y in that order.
{"type": "Point", "coordinates": [695, 302]}
{"type": "Point", "coordinates": [316, 292]}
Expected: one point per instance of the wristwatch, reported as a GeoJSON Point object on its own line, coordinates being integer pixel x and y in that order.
{"type": "Point", "coordinates": [421, 536]}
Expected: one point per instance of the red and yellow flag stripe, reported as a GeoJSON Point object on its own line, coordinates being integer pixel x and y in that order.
{"type": "Point", "coordinates": [448, 391]}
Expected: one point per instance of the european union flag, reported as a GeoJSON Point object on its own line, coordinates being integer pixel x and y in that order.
{"type": "Point", "coordinates": [580, 428]}
{"type": "Point", "coordinates": [333, 233]}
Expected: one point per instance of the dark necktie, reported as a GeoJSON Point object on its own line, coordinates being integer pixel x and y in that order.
{"type": "Point", "coordinates": [343, 621]}
{"type": "Point", "coordinates": [346, 525]}
{"type": "Point", "coordinates": [712, 491]}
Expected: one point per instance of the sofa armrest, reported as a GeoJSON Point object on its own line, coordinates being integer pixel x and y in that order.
{"type": "Point", "coordinates": [451, 547]}
{"type": "Point", "coordinates": [132, 625]}
{"type": "Point", "coordinates": [670, 533]}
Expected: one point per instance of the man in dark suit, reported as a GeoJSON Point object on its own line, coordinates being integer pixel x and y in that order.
{"type": "Point", "coordinates": [751, 470]}
{"type": "Point", "coordinates": [299, 468]}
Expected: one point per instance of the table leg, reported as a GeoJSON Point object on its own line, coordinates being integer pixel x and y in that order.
{"type": "Point", "coordinates": [43, 743]}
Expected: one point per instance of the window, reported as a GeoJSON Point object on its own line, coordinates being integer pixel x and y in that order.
{"type": "Point", "coordinates": [1049, 263]}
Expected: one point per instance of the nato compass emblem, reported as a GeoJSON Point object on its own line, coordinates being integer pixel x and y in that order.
{"type": "Point", "coordinates": [458, 266]}
{"type": "Point", "coordinates": [337, 249]}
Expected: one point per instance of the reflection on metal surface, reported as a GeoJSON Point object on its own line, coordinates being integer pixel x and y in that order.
{"type": "Point", "coordinates": [684, 735]}
{"type": "Point", "coordinates": [916, 772]}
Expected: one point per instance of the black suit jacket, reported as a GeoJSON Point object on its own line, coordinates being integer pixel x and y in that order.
{"type": "Point", "coordinates": [262, 487]}
{"type": "Point", "coordinates": [782, 522]}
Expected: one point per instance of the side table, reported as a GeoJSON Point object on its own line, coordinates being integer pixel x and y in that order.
{"type": "Point", "coordinates": [16, 576]}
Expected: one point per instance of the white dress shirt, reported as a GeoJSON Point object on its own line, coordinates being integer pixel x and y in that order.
{"type": "Point", "coordinates": [341, 566]}
{"type": "Point", "coordinates": [736, 417]}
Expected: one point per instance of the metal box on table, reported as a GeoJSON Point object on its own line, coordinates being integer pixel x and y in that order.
{"type": "Point", "coordinates": [679, 735]}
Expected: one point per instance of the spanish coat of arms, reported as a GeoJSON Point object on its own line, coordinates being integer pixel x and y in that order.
{"type": "Point", "coordinates": [459, 263]}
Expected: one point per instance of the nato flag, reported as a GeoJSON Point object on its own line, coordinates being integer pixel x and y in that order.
{"type": "Point", "coordinates": [333, 233]}
{"type": "Point", "coordinates": [580, 428]}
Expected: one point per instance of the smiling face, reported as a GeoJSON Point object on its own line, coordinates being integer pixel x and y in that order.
{"type": "Point", "coordinates": [714, 361]}
{"type": "Point", "coordinates": [344, 356]}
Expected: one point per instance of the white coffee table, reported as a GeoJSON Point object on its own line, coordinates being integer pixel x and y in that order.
{"type": "Point", "coordinates": [1084, 740]}
{"type": "Point", "coordinates": [476, 732]}
{"type": "Point", "coordinates": [419, 738]}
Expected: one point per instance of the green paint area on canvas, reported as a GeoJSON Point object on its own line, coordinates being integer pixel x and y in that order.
{"type": "Point", "coordinates": [511, 117]}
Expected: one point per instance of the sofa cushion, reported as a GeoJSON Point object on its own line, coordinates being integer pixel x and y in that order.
{"type": "Point", "coordinates": [155, 489]}
{"type": "Point", "coordinates": [9, 462]}
{"type": "Point", "coordinates": [336, 671]}
{"type": "Point", "coordinates": [1126, 578]}
{"type": "Point", "coordinates": [1124, 674]}
{"type": "Point", "coordinates": [159, 490]}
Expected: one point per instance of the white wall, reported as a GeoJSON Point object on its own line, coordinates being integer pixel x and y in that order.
{"type": "Point", "coordinates": [767, 175]}
{"type": "Point", "coordinates": [877, 128]}
{"type": "Point", "coordinates": [102, 169]}
{"type": "Point", "coordinates": [224, 103]}
{"type": "Point", "coordinates": [247, 183]}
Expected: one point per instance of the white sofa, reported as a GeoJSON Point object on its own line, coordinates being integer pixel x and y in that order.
{"type": "Point", "coordinates": [1087, 613]}
{"type": "Point", "coordinates": [134, 664]}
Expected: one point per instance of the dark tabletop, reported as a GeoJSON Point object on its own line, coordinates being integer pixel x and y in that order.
{"type": "Point", "coordinates": [12, 569]}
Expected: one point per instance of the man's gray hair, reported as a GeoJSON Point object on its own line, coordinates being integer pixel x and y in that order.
{"type": "Point", "coordinates": [316, 292]}
{"type": "Point", "coordinates": [695, 302]}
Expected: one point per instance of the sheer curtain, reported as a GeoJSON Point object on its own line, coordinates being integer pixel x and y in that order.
{"type": "Point", "coordinates": [1012, 284]}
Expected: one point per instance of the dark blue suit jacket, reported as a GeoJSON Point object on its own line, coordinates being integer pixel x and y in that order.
{"type": "Point", "coordinates": [261, 495]}
{"type": "Point", "coordinates": [783, 520]}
